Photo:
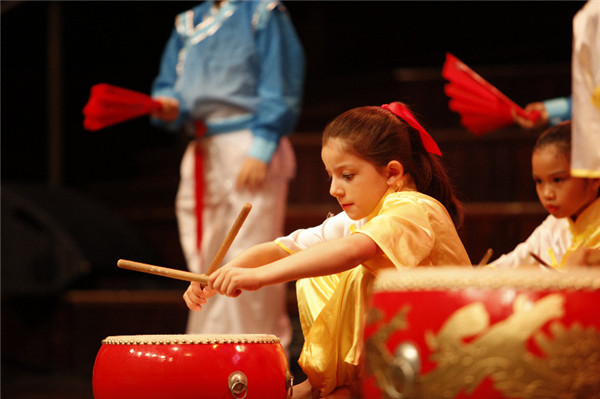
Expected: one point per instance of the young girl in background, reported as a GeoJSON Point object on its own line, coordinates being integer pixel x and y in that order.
{"type": "Point", "coordinates": [573, 226]}
{"type": "Point", "coordinates": [399, 211]}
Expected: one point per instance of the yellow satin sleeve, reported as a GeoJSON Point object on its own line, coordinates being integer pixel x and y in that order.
{"type": "Point", "coordinates": [413, 229]}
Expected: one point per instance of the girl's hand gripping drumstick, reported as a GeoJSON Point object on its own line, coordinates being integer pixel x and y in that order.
{"type": "Point", "coordinates": [195, 296]}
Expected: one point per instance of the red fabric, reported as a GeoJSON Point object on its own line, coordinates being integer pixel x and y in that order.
{"type": "Point", "coordinates": [109, 105]}
{"type": "Point", "coordinates": [199, 180]}
{"type": "Point", "coordinates": [403, 112]}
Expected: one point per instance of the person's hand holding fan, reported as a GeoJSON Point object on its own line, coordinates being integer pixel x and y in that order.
{"type": "Point", "coordinates": [109, 105]}
{"type": "Point", "coordinates": [481, 106]}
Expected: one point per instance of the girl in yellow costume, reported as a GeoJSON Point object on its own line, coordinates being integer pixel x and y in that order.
{"type": "Point", "coordinates": [399, 211]}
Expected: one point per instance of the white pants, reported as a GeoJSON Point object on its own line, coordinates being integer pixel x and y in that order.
{"type": "Point", "coordinates": [253, 312]}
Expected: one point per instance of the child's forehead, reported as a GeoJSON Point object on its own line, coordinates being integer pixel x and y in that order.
{"type": "Point", "coordinates": [337, 152]}
{"type": "Point", "coordinates": [340, 144]}
{"type": "Point", "coordinates": [552, 151]}
{"type": "Point", "coordinates": [340, 148]}
{"type": "Point", "coordinates": [548, 160]}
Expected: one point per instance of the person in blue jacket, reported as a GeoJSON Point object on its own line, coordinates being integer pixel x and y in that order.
{"type": "Point", "coordinates": [232, 77]}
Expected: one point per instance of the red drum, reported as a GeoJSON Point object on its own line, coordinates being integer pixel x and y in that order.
{"type": "Point", "coordinates": [190, 366]}
{"type": "Point", "coordinates": [483, 333]}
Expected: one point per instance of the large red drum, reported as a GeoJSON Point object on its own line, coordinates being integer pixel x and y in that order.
{"type": "Point", "coordinates": [483, 333]}
{"type": "Point", "coordinates": [188, 366]}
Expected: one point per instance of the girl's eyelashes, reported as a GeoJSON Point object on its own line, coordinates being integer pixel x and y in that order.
{"type": "Point", "coordinates": [558, 179]}
{"type": "Point", "coordinates": [345, 176]}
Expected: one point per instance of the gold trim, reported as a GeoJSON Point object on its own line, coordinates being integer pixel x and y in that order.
{"type": "Point", "coordinates": [585, 173]}
{"type": "Point", "coordinates": [195, 339]}
{"type": "Point", "coordinates": [284, 247]}
{"type": "Point", "coordinates": [458, 278]}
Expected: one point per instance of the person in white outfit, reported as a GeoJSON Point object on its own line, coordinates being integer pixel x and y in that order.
{"type": "Point", "coordinates": [232, 76]}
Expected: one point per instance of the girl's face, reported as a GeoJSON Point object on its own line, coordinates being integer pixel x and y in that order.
{"type": "Point", "coordinates": [561, 194]}
{"type": "Point", "coordinates": [355, 182]}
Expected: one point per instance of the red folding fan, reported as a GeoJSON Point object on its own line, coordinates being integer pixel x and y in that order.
{"type": "Point", "coordinates": [481, 106]}
{"type": "Point", "coordinates": [109, 105]}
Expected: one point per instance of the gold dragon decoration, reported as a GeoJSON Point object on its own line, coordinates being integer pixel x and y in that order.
{"type": "Point", "coordinates": [467, 349]}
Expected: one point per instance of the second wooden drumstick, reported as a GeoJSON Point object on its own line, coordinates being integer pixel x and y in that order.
{"type": "Point", "coordinates": [229, 239]}
{"type": "Point", "coordinates": [486, 257]}
{"type": "Point", "coordinates": [162, 271]}
{"type": "Point", "coordinates": [541, 261]}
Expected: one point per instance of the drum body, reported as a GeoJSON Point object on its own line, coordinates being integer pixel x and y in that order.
{"type": "Point", "coordinates": [191, 366]}
{"type": "Point", "coordinates": [483, 333]}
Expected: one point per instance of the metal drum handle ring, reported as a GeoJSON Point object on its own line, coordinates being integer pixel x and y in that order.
{"type": "Point", "coordinates": [238, 384]}
{"type": "Point", "coordinates": [406, 365]}
{"type": "Point", "coordinates": [289, 383]}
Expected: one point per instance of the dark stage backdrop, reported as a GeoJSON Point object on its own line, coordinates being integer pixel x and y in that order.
{"type": "Point", "coordinates": [112, 191]}
{"type": "Point", "coordinates": [120, 42]}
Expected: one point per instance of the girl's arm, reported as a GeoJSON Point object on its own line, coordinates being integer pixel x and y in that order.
{"type": "Point", "coordinates": [322, 259]}
{"type": "Point", "coordinates": [258, 255]}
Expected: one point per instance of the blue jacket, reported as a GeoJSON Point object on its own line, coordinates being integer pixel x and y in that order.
{"type": "Point", "coordinates": [246, 56]}
{"type": "Point", "coordinates": [559, 109]}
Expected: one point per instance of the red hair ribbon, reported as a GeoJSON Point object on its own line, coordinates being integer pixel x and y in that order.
{"type": "Point", "coordinates": [401, 111]}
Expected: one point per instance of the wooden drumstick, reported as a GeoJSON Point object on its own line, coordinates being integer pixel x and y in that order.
{"type": "Point", "coordinates": [229, 239]}
{"type": "Point", "coordinates": [541, 261]}
{"type": "Point", "coordinates": [486, 257]}
{"type": "Point", "coordinates": [162, 271]}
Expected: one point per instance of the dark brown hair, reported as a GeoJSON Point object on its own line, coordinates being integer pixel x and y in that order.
{"type": "Point", "coordinates": [379, 136]}
{"type": "Point", "coordinates": [559, 135]}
